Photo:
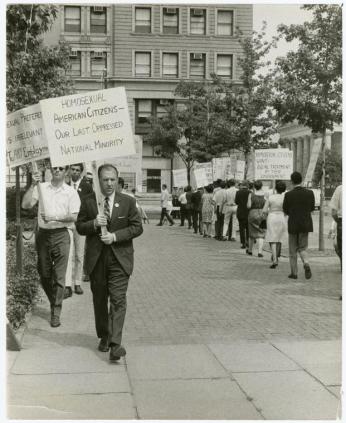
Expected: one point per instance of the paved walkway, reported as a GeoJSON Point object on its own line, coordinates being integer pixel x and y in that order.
{"type": "Point", "coordinates": [211, 333]}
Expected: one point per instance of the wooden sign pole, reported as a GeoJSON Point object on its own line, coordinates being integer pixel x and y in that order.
{"type": "Point", "coordinates": [97, 193]}
{"type": "Point", "coordinates": [40, 196]}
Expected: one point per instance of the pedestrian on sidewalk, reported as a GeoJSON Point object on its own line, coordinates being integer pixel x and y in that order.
{"type": "Point", "coordinates": [74, 274]}
{"type": "Point", "coordinates": [207, 210]}
{"type": "Point", "coordinates": [336, 210]}
{"type": "Point", "coordinates": [196, 200]}
{"type": "Point", "coordinates": [276, 222]}
{"type": "Point", "coordinates": [230, 210]}
{"type": "Point", "coordinates": [61, 207]}
{"type": "Point", "coordinates": [164, 205]}
{"type": "Point", "coordinates": [255, 204]}
{"type": "Point", "coordinates": [240, 200]}
{"type": "Point", "coordinates": [109, 256]}
{"type": "Point", "coordinates": [219, 199]}
{"type": "Point", "coordinates": [298, 205]}
{"type": "Point", "coordinates": [188, 206]}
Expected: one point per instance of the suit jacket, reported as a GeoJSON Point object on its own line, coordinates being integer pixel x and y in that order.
{"type": "Point", "coordinates": [196, 200]}
{"type": "Point", "coordinates": [241, 198]}
{"type": "Point", "coordinates": [298, 205]}
{"type": "Point", "coordinates": [84, 188]}
{"type": "Point", "coordinates": [125, 222]}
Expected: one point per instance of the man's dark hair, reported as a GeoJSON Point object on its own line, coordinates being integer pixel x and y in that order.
{"type": "Point", "coordinates": [296, 178]}
{"type": "Point", "coordinates": [121, 182]}
{"type": "Point", "coordinates": [188, 188]}
{"type": "Point", "coordinates": [258, 185]}
{"type": "Point", "coordinates": [280, 187]}
{"type": "Point", "coordinates": [231, 183]}
{"type": "Point", "coordinates": [106, 166]}
{"type": "Point", "coordinates": [81, 166]}
{"type": "Point", "coordinates": [164, 186]}
{"type": "Point", "coordinates": [210, 188]}
{"type": "Point", "coordinates": [222, 184]}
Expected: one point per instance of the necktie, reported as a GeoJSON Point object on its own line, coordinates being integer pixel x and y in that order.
{"type": "Point", "coordinates": [106, 210]}
{"type": "Point", "coordinates": [75, 186]}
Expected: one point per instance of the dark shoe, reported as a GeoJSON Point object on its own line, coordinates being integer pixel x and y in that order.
{"type": "Point", "coordinates": [171, 224]}
{"type": "Point", "coordinates": [55, 321]}
{"type": "Point", "coordinates": [159, 224]}
{"type": "Point", "coordinates": [78, 290]}
{"type": "Point", "coordinates": [223, 238]}
{"type": "Point", "coordinates": [340, 298]}
{"type": "Point", "coordinates": [86, 278]}
{"type": "Point", "coordinates": [205, 235]}
{"type": "Point", "coordinates": [232, 239]}
{"type": "Point", "coordinates": [307, 270]}
{"type": "Point", "coordinates": [260, 255]}
{"type": "Point", "coordinates": [243, 246]}
{"type": "Point", "coordinates": [67, 292]}
{"type": "Point", "coordinates": [117, 351]}
{"type": "Point", "coordinates": [292, 276]}
{"type": "Point", "coordinates": [248, 252]}
{"type": "Point", "coordinates": [103, 345]}
{"type": "Point", "coordinates": [273, 266]}
{"type": "Point", "coordinates": [181, 225]}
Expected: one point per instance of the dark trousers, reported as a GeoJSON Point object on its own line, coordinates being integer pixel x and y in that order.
{"type": "Point", "coordinates": [219, 223]}
{"type": "Point", "coordinates": [197, 221]}
{"type": "Point", "coordinates": [164, 214]}
{"type": "Point", "coordinates": [185, 214]}
{"type": "Point", "coordinates": [53, 248]}
{"type": "Point", "coordinates": [243, 230]}
{"type": "Point", "coordinates": [109, 280]}
{"type": "Point", "coordinates": [339, 237]}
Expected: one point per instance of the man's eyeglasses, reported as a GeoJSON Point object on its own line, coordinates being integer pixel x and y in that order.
{"type": "Point", "coordinates": [60, 168]}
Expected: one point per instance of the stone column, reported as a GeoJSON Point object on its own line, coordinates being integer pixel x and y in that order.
{"type": "Point", "coordinates": [299, 155]}
{"type": "Point", "coordinates": [294, 149]}
{"type": "Point", "coordinates": [306, 154]}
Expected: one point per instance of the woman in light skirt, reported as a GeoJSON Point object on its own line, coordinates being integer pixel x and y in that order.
{"type": "Point", "coordinates": [276, 221]}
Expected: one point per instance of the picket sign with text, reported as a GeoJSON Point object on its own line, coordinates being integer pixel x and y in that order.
{"type": "Point", "coordinates": [208, 169]}
{"type": "Point", "coordinates": [273, 163]}
{"type": "Point", "coordinates": [201, 177]}
{"type": "Point", "coordinates": [180, 177]}
{"type": "Point", "coordinates": [88, 126]}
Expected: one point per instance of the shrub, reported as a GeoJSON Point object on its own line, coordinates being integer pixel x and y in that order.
{"type": "Point", "coordinates": [22, 291]}
{"type": "Point", "coordinates": [11, 205]}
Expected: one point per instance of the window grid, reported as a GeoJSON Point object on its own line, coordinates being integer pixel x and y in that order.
{"type": "Point", "coordinates": [75, 65]}
{"type": "Point", "coordinates": [72, 15]}
{"type": "Point", "coordinates": [224, 66]}
{"type": "Point", "coordinates": [144, 111]}
{"type": "Point", "coordinates": [225, 22]}
{"type": "Point", "coordinates": [170, 22]}
{"type": "Point", "coordinates": [197, 67]}
{"type": "Point", "coordinates": [143, 64]}
{"type": "Point", "coordinates": [197, 23]}
{"type": "Point", "coordinates": [97, 65]}
{"type": "Point", "coordinates": [170, 64]}
{"type": "Point", "coordinates": [143, 19]}
{"type": "Point", "coordinates": [98, 22]}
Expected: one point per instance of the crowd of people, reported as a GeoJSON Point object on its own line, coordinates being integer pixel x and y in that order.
{"type": "Point", "coordinates": [219, 209]}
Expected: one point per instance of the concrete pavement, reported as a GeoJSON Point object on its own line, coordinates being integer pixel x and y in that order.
{"type": "Point", "coordinates": [211, 333]}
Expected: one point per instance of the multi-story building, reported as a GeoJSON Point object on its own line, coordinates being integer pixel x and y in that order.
{"type": "Point", "coordinates": [148, 49]}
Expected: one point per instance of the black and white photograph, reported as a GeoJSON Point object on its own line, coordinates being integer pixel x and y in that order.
{"type": "Point", "coordinates": [173, 181]}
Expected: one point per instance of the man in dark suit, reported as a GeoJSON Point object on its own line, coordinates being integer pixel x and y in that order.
{"type": "Point", "coordinates": [109, 256]}
{"type": "Point", "coordinates": [74, 273]}
{"type": "Point", "coordinates": [240, 200]}
{"type": "Point", "coordinates": [298, 205]}
{"type": "Point", "coordinates": [196, 201]}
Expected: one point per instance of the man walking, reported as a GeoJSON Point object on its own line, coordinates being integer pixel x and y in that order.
{"type": "Point", "coordinates": [74, 273]}
{"type": "Point", "coordinates": [61, 206]}
{"type": "Point", "coordinates": [196, 201]}
{"type": "Point", "coordinates": [109, 256]}
{"type": "Point", "coordinates": [219, 198]}
{"type": "Point", "coordinates": [240, 200]}
{"type": "Point", "coordinates": [229, 210]}
{"type": "Point", "coordinates": [164, 204]}
{"type": "Point", "coordinates": [298, 205]}
{"type": "Point", "coordinates": [336, 210]}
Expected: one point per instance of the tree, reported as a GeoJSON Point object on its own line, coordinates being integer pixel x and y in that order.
{"type": "Point", "coordinates": [308, 81]}
{"type": "Point", "coordinates": [333, 169]}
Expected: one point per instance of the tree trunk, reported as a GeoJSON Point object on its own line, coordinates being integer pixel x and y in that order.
{"type": "Point", "coordinates": [19, 230]}
{"type": "Point", "coordinates": [323, 178]}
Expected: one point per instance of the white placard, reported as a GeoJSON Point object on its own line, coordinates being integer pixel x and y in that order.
{"type": "Point", "coordinates": [239, 175]}
{"type": "Point", "coordinates": [220, 164]}
{"type": "Point", "coordinates": [179, 178]}
{"type": "Point", "coordinates": [25, 136]}
{"type": "Point", "coordinates": [316, 148]}
{"type": "Point", "coordinates": [88, 126]}
{"type": "Point", "coordinates": [273, 163]}
{"type": "Point", "coordinates": [201, 177]}
{"type": "Point", "coordinates": [208, 168]}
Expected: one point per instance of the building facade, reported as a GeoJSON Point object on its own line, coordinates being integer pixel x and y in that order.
{"type": "Point", "coordinates": [148, 49]}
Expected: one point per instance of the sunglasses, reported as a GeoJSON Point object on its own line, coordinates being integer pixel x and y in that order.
{"type": "Point", "coordinates": [60, 168]}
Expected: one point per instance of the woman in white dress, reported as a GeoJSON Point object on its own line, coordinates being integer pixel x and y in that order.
{"type": "Point", "coordinates": [276, 221]}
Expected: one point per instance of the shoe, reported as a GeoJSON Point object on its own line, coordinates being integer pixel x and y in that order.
{"type": "Point", "coordinates": [67, 292]}
{"type": "Point", "coordinates": [273, 266]}
{"type": "Point", "coordinates": [307, 270]}
{"type": "Point", "coordinates": [86, 278]}
{"type": "Point", "coordinates": [181, 225]}
{"type": "Point", "coordinates": [78, 290]}
{"type": "Point", "coordinates": [292, 276]}
{"type": "Point", "coordinates": [55, 321]}
{"type": "Point", "coordinates": [159, 224]}
{"type": "Point", "coordinates": [194, 232]}
{"type": "Point", "coordinates": [205, 235]}
{"type": "Point", "coordinates": [117, 351]}
{"type": "Point", "coordinates": [260, 255]}
{"type": "Point", "coordinates": [248, 252]}
{"type": "Point", "coordinates": [340, 298]}
{"type": "Point", "coordinates": [232, 239]}
{"type": "Point", "coordinates": [171, 224]}
{"type": "Point", "coordinates": [103, 345]}
{"type": "Point", "coordinates": [243, 246]}
{"type": "Point", "coordinates": [223, 238]}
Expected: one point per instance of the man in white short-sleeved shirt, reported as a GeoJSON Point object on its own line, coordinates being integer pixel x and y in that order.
{"type": "Point", "coordinates": [61, 207]}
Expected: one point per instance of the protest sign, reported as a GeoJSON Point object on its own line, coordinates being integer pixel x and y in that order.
{"type": "Point", "coordinates": [273, 163]}
{"type": "Point", "coordinates": [316, 148]}
{"type": "Point", "coordinates": [220, 164]}
{"type": "Point", "coordinates": [25, 136]}
{"type": "Point", "coordinates": [180, 177]}
{"type": "Point", "coordinates": [201, 177]}
{"type": "Point", "coordinates": [88, 126]}
{"type": "Point", "coordinates": [240, 170]}
{"type": "Point", "coordinates": [208, 168]}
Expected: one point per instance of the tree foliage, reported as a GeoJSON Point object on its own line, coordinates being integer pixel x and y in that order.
{"type": "Point", "coordinates": [34, 71]}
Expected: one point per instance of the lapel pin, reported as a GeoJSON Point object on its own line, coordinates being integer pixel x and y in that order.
{"type": "Point", "coordinates": [116, 205]}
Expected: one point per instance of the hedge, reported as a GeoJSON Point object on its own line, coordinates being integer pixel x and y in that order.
{"type": "Point", "coordinates": [22, 291]}
{"type": "Point", "coordinates": [11, 205]}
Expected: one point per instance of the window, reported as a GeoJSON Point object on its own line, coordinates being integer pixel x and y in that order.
{"type": "Point", "coordinates": [98, 20]}
{"type": "Point", "coordinates": [197, 65]}
{"type": "Point", "coordinates": [143, 64]}
{"type": "Point", "coordinates": [224, 65]}
{"type": "Point", "coordinates": [143, 19]}
{"type": "Point", "coordinates": [153, 180]}
{"type": "Point", "coordinates": [161, 108]}
{"type": "Point", "coordinates": [75, 63]}
{"type": "Point", "coordinates": [98, 63]}
{"type": "Point", "coordinates": [72, 16]}
{"type": "Point", "coordinates": [170, 20]}
{"type": "Point", "coordinates": [144, 111]}
{"type": "Point", "coordinates": [170, 64]}
{"type": "Point", "coordinates": [225, 22]}
{"type": "Point", "coordinates": [197, 21]}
